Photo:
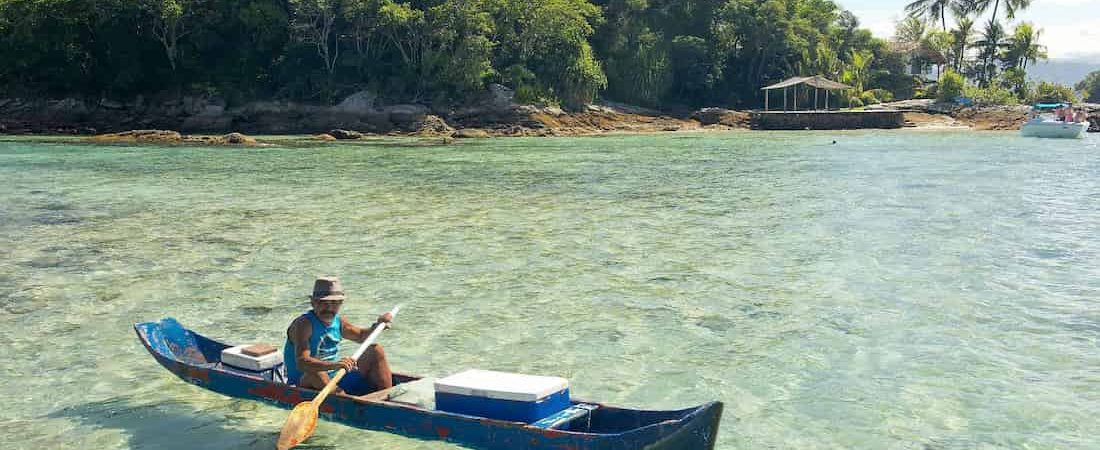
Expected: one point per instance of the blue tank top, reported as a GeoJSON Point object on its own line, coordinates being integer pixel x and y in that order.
{"type": "Point", "coordinates": [324, 344]}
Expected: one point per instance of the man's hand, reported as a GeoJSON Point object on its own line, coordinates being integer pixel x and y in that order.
{"type": "Point", "coordinates": [385, 318]}
{"type": "Point", "coordinates": [345, 363]}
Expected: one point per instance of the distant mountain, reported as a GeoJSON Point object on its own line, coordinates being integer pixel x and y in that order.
{"type": "Point", "coordinates": [1067, 71]}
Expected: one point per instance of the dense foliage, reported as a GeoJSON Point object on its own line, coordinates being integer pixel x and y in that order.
{"type": "Point", "coordinates": [992, 57]}
{"type": "Point", "coordinates": [951, 86]}
{"type": "Point", "coordinates": [662, 53]}
{"type": "Point", "coordinates": [1053, 93]}
{"type": "Point", "coordinates": [650, 52]}
{"type": "Point", "coordinates": [1090, 87]}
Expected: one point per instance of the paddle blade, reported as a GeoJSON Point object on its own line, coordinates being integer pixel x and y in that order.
{"type": "Point", "coordinates": [299, 426]}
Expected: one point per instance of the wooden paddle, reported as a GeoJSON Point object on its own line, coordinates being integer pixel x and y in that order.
{"type": "Point", "coordinates": [303, 419]}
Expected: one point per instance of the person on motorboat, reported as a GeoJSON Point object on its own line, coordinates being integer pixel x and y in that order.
{"type": "Point", "coordinates": [313, 344]}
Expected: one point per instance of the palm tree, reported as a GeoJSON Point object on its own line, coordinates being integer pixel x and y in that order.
{"type": "Point", "coordinates": [961, 35]}
{"type": "Point", "coordinates": [1011, 7]}
{"type": "Point", "coordinates": [937, 9]}
{"type": "Point", "coordinates": [989, 49]}
{"type": "Point", "coordinates": [932, 9]}
{"type": "Point", "coordinates": [858, 72]}
{"type": "Point", "coordinates": [1023, 47]}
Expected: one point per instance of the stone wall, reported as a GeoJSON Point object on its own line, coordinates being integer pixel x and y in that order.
{"type": "Point", "coordinates": [827, 120]}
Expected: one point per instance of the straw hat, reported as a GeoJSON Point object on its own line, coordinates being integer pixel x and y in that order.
{"type": "Point", "coordinates": [328, 288]}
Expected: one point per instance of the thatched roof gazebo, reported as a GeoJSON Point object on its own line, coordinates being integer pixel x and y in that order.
{"type": "Point", "coordinates": [817, 82]}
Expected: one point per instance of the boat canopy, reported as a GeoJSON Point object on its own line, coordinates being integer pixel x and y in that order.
{"type": "Point", "coordinates": [1046, 106]}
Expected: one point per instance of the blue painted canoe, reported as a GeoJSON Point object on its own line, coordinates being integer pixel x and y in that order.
{"type": "Point", "coordinates": [584, 426]}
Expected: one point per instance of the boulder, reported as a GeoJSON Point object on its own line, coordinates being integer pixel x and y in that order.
{"type": "Point", "coordinates": [358, 103]}
{"type": "Point", "coordinates": [710, 116]}
{"type": "Point", "coordinates": [721, 116]}
{"type": "Point", "coordinates": [470, 133]}
{"type": "Point", "coordinates": [238, 139]}
{"type": "Point", "coordinates": [405, 115]}
{"type": "Point", "coordinates": [345, 134]}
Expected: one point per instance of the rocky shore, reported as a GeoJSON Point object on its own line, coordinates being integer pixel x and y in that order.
{"type": "Point", "coordinates": [205, 120]}
{"type": "Point", "coordinates": [993, 118]}
{"type": "Point", "coordinates": [360, 114]}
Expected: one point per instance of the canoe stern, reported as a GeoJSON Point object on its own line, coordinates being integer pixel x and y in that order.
{"type": "Point", "coordinates": [697, 431]}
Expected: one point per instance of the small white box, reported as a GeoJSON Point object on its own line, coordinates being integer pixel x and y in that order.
{"type": "Point", "coordinates": [232, 356]}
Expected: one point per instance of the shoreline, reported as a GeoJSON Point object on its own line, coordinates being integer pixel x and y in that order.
{"type": "Point", "coordinates": [207, 122]}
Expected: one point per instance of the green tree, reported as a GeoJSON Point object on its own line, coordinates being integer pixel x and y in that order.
{"type": "Point", "coordinates": [315, 24]}
{"type": "Point", "coordinates": [1090, 87]}
{"type": "Point", "coordinates": [910, 30]}
{"type": "Point", "coordinates": [549, 38]}
{"type": "Point", "coordinates": [1046, 92]}
{"type": "Point", "coordinates": [937, 9]}
{"type": "Point", "coordinates": [990, 47]}
{"type": "Point", "coordinates": [859, 71]}
{"type": "Point", "coordinates": [951, 86]}
{"type": "Point", "coordinates": [456, 58]}
{"type": "Point", "coordinates": [1015, 78]}
{"type": "Point", "coordinates": [1012, 7]}
{"type": "Point", "coordinates": [1023, 47]}
{"type": "Point", "coordinates": [961, 38]}
{"type": "Point", "coordinates": [171, 21]}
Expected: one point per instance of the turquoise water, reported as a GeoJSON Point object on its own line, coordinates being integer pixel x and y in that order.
{"type": "Point", "coordinates": [897, 290]}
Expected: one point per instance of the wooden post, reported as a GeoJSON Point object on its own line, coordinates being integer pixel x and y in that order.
{"type": "Point", "coordinates": [826, 99]}
{"type": "Point", "coordinates": [796, 97]}
{"type": "Point", "coordinates": [767, 92]}
{"type": "Point", "coordinates": [784, 99]}
{"type": "Point", "coordinates": [815, 98]}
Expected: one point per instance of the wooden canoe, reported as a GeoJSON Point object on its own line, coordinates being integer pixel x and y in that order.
{"type": "Point", "coordinates": [197, 360]}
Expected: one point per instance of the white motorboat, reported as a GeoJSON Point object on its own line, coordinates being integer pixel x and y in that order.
{"type": "Point", "coordinates": [1045, 125]}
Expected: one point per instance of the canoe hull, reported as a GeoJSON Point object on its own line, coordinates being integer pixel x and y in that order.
{"type": "Point", "coordinates": [190, 357]}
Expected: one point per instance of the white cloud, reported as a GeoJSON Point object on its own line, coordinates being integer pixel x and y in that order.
{"type": "Point", "coordinates": [1071, 40]}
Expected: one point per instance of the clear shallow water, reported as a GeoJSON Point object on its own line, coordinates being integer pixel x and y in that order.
{"type": "Point", "coordinates": [897, 290]}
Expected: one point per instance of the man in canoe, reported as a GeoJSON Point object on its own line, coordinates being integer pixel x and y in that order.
{"type": "Point", "coordinates": [313, 343]}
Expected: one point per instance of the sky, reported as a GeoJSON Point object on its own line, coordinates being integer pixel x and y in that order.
{"type": "Point", "coordinates": [1071, 28]}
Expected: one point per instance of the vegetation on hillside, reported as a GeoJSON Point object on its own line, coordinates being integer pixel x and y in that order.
{"type": "Point", "coordinates": [659, 53]}
{"type": "Point", "coordinates": [1090, 87]}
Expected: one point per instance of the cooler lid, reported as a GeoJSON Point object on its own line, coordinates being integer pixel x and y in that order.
{"type": "Point", "coordinates": [501, 385]}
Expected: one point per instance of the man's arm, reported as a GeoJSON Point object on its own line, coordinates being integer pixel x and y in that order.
{"type": "Point", "coordinates": [360, 334]}
{"type": "Point", "coordinates": [299, 336]}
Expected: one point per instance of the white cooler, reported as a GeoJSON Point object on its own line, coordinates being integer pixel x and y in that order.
{"type": "Point", "coordinates": [500, 395]}
{"type": "Point", "coordinates": [233, 356]}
